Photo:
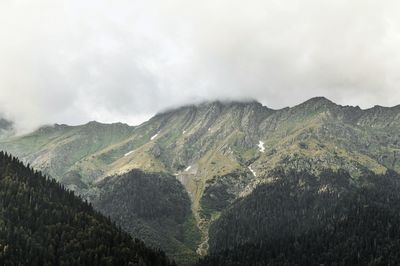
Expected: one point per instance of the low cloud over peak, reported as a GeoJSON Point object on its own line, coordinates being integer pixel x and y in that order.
{"type": "Point", "coordinates": [75, 61]}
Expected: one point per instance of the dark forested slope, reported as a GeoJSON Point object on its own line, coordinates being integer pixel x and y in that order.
{"type": "Point", "coordinates": [43, 224]}
{"type": "Point", "coordinates": [305, 219]}
{"type": "Point", "coordinates": [154, 206]}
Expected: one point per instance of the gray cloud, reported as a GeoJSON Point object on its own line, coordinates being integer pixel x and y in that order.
{"type": "Point", "coordinates": [74, 61]}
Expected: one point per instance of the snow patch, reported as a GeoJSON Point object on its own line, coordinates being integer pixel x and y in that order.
{"type": "Point", "coordinates": [128, 153]}
{"type": "Point", "coordinates": [209, 129]}
{"type": "Point", "coordinates": [155, 136]}
{"type": "Point", "coordinates": [261, 146]}
{"type": "Point", "coordinates": [252, 171]}
{"type": "Point", "coordinates": [183, 132]}
{"type": "Point", "coordinates": [188, 168]}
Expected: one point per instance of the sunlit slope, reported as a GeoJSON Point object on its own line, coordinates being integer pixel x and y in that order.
{"type": "Point", "coordinates": [60, 150]}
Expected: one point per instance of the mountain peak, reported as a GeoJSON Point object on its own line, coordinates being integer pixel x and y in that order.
{"type": "Point", "coordinates": [93, 123]}
{"type": "Point", "coordinates": [231, 104]}
{"type": "Point", "coordinates": [320, 100]}
{"type": "Point", "coordinates": [217, 104]}
{"type": "Point", "coordinates": [316, 103]}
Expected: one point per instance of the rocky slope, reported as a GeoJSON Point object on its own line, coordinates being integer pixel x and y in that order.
{"type": "Point", "coordinates": [218, 151]}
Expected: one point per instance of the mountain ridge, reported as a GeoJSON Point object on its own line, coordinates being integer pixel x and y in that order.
{"type": "Point", "coordinates": [318, 100]}
{"type": "Point", "coordinates": [219, 151]}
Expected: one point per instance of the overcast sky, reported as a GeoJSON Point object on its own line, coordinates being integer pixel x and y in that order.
{"type": "Point", "coordinates": [74, 61]}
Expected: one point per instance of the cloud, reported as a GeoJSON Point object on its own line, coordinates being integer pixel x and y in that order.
{"type": "Point", "coordinates": [74, 61]}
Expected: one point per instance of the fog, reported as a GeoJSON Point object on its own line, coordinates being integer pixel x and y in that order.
{"type": "Point", "coordinates": [75, 61]}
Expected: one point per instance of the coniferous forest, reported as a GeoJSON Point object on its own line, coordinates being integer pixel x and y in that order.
{"type": "Point", "coordinates": [41, 223]}
{"type": "Point", "coordinates": [296, 219]}
{"type": "Point", "coordinates": [304, 219]}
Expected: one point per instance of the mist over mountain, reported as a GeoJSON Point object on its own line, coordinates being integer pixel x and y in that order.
{"type": "Point", "coordinates": [6, 128]}
{"type": "Point", "coordinates": [126, 60]}
{"type": "Point", "coordinates": [199, 161]}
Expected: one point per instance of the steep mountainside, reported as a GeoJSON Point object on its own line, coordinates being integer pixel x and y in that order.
{"type": "Point", "coordinates": [303, 219]}
{"type": "Point", "coordinates": [155, 207]}
{"type": "Point", "coordinates": [41, 223]}
{"type": "Point", "coordinates": [64, 152]}
{"type": "Point", "coordinates": [218, 151]}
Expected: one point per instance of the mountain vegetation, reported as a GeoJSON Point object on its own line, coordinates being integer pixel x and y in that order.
{"type": "Point", "coordinates": [219, 151]}
{"type": "Point", "coordinates": [155, 207]}
{"type": "Point", "coordinates": [41, 223]}
{"type": "Point", "coordinates": [304, 219]}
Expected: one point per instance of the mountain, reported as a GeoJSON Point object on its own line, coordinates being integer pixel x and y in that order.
{"type": "Point", "coordinates": [44, 224]}
{"type": "Point", "coordinates": [6, 128]}
{"type": "Point", "coordinates": [219, 151]}
{"type": "Point", "coordinates": [61, 151]}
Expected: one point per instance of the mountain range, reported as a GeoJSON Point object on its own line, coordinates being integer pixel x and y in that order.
{"type": "Point", "coordinates": [172, 178]}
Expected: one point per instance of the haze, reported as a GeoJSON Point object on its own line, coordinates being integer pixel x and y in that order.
{"type": "Point", "coordinates": [75, 61]}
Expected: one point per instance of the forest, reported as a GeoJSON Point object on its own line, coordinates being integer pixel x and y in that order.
{"type": "Point", "coordinates": [305, 219]}
{"type": "Point", "coordinates": [42, 223]}
{"type": "Point", "coordinates": [153, 207]}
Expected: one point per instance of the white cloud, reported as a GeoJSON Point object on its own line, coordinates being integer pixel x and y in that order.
{"type": "Point", "coordinates": [74, 61]}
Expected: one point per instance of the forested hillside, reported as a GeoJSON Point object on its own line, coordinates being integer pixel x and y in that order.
{"type": "Point", "coordinates": [41, 223]}
{"type": "Point", "coordinates": [304, 219]}
{"type": "Point", "coordinates": [155, 207]}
